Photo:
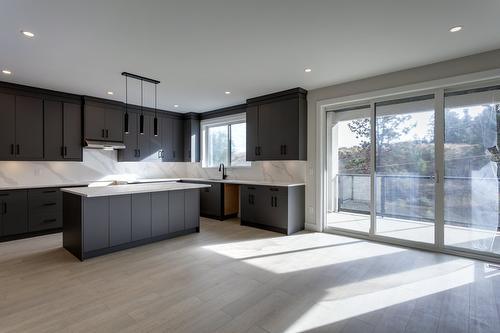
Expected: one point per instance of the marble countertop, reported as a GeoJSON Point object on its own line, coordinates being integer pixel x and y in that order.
{"type": "Point", "coordinates": [244, 182]}
{"type": "Point", "coordinates": [104, 191]}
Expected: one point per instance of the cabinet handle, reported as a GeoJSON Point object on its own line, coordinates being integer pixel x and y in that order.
{"type": "Point", "coordinates": [65, 151]}
{"type": "Point", "coordinates": [256, 150]}
{"type": "Point", "coordinates": [275, 201]}
{"type": "Point", "coordinates": [50, 204]}
{"type": "Point", "coordinates": [272, 201]}
{"type": "Point", "coordinates": [18, 150]}
{"type": "Point", "coordinates": [260, 150]}
{"type": "Point", "coordinates": [107, 133]}
{"type": "Point", "coordinates": [138, 153]}
{"type": "Point", "coordinates": [103, 133]}
{"type": "Point", "coordinates": [50, 191]}
{"type": "Point", "coordinates": [251, 188]}
{"type": "Point", "coordinates": [4, 208]}
{"type": "Point", "coordinates": [12, 149]}
{"type": "Point", "coordinates": [173, 153]}
{"type": "Point", "coordinates": [49, 220]}
{"type": "Point", "coordinates": [284, 149]}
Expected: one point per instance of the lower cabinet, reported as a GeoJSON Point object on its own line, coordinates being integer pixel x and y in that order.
{"type": "Point", "coordinates": [141, 216]}
{"type": "Point", "coordinates": [279, 209]}
{"type": "Point", "coordinates": [159, 213]}
{"type": "Point", "coordinates": [96, 228]}
{"type": "Point", "coordinates": [13, 212]}
{"type": "Point", "coordinates": [176, 211]}
{"type": "Point", "coordinates": [120, 220]}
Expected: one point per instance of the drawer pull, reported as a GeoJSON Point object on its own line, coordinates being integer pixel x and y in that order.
{"type": "Point", "coordinates": [274, 189]}
{"type": "Point", "coordinates": [49, 220]}
{"type": "Point", "coordinates": [50, 191]}
{"type": "Point", "coordinates": [50, 204]}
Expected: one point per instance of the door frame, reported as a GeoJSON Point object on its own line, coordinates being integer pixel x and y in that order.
{"type": "Point", "coordinates": [435, 87]}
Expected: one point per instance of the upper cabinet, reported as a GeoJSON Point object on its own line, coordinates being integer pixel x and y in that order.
{"type": "Point", "coordinates": [277, 126]}
{"type": "Point", "coordinates": [103, 120]}
{"type": "Point", "coordinates": [21, 127]}
{"type": "Point", "coordinates": [62, 130]}
{"type": "Point", "coordinates": [192, 138]}
{"type": "Point", "coordinates": [172, 139]}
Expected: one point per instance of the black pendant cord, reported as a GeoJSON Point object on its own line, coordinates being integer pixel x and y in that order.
{"type": "Point", "coordinates": [126, 130]}
{"type": "Point", "coordinates": [141, 118]}
{"type": "Point", "coordinates": [155, 121]}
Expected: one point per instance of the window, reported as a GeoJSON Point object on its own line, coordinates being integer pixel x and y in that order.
{"type": "Point", "coordinates": [224, 141]}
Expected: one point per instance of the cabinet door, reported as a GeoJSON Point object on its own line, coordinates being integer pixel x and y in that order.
{"type": "Point", "coordinates": [94, 122]}
{"type": "Point", "coordinates": [279, 211]}
{"type": "Point", "coordinates": [53, 130]}
{"type": "Point", "coordinates": [176, 211]}
{"type": "Point", "coordinates": [72, 131]}
{"type": "Point", "coordinates": [178, 140]}
{"type": "Point", "coordinates": [29, 128]}
{"type": "Point", "coordinates": [114, 124]}
{"type": "Point", "coordinates": [191, 140]}
{"type": "Point", "coordinates": [288, 135]}
{"type": "Point", "coordinates": [141, 216]}
{"type": "Point", "coordinates": [252, 133]}
{"type": "Point", "coordinates": [95, 223]}
{"type": "Point", "coordinates": [192, 208]}
{"type": "Point", "coordinates": [159, 213]}
{"type": "Point", "coordinates": [248, 200]}
{"type": "Point", "coordinates": [130, 153]}
{"type": "Point", "coordinates": [7, 129]}
{"type": "Point", "coordinates": [155, 142]}
{"type": "Point", "coordinates": [167, 139]}
{"type": "Point", "coordinates": [14, 212]}
{"type": "Point", "coordinates": [144, 139]}
{"type": "Point", "coordinates": [211, 200]}
{"type": "Point", "coordinates": [120, 220]}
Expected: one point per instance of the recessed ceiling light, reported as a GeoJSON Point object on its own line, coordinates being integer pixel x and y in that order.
{"type": "Point", "coordinates": [28, 33]}
{"type": "Point", "coordinates": [308, 70]}
{"type": "Point", "coordinates": [6, 72]}
{"type": "Point", "coordinates": [227, 93]}
{"type": "Point", "coordinates": [110, 93]}
{"type": "Point", "coordinates": [176, 105]}
{"type": "Point", "coordinates": [456, 29]}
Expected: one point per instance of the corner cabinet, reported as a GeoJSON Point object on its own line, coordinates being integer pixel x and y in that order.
{"type": "Point", "coordinates": [277, 126]}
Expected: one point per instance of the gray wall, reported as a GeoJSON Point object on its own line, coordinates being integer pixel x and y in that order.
{"type": "Point", "coordinates": [460, 66]}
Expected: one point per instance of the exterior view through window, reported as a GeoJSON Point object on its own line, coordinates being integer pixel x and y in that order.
{"type": "Point", "coordinates": [224, 141]}
{"type": "Point", "coordinates": [409, 168]}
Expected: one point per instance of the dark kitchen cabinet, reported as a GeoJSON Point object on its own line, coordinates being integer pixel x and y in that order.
{"type": "Point", "coordinates": [176, 211]}
{"type": "Point", "coordinates": [7, 129]}
{"type": "Point", "coordinates": [141, 216]}
{"type": "Point", "coordinates": [279, 209]}
{"type": "Point", "coordinates": [103, 120]}
{"type": "Point", "coordinates": [159, 213]}
{"type": "Point", "coordinates": [96, 231]}
{"type": "Point", "coordinates": [120, 220]}
{"type": "Point", "coordinates": [13, 212]}
{"type": "Point", "coordinates": [277, 126]}
{"type": "Point", "coordinates": [144, 139]}
{"type": "Point", "coordinates": [44, 209]}
{"type": "Point", "coordinates": [192, 209]}
{"type": "Point", "coordinates": [141, 147]}
{"type": "Point", "coordinates": [21, 128]}
{"type": "Point", "coordinates": [130, 152]}
{"type": "Point", "coordinates": [62, 131]}
{"type": "Point", "coordinates": [211, 199]}
{"type": "Point", "coordinates": [172, 139]}
{"type": "Point", "coordinates": [155, 141]}
{"type": "Point", "coordinates": [192, 138]}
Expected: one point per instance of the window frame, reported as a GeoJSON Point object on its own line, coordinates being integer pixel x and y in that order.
{"type": "Point", "coordinates": [239, 118]}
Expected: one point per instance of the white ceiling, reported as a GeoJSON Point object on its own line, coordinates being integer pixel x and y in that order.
{"type": "Point", "coordinates": [200, 49]}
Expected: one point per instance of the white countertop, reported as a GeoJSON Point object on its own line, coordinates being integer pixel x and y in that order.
{"type": "Point", "coordinates": [244, 182]}
{"type": "Point", "coordinates": [104, 191]}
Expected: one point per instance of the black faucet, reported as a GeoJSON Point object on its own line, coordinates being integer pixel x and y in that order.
{"type": "Point", "coordinates": [223, 169]}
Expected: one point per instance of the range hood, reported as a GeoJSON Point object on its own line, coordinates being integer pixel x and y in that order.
{"type": "Point", "coordinates": [105, 145]}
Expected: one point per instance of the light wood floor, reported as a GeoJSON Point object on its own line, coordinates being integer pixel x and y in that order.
{"type": "Point", "coordinates": [232, 279]}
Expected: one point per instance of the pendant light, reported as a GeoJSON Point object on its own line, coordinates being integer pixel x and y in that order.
{"type": "Point", "coordinates": [141, 118]}
{"type": "Point", "coordinates": [126, 106]}
{"type": "Point", "coordinates": [155, 122]}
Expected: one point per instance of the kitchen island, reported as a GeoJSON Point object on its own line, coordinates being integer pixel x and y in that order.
{"type": "Point", "coordinates": [101, 220]}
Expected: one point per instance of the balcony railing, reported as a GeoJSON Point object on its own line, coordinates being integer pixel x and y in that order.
{"type": "Point", "coordinates": [411, 197]}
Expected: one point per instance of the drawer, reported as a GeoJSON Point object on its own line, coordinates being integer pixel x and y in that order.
{"type": "Point", "coordinates": [44, 221]}
{"type": "Point", "coordinates": [44, 199]}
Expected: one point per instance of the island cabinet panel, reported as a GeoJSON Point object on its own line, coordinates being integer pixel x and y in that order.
{"type": "Point", "coordinates": [159, 213]}
{"type": "Point", "coordinates": [141, 216]}
{"type": "Point", "coordinates": [120, 220]}
{"type": "Point", "coordinates": [176, 211]}
{"type": "Point", "coordinates": [192, 209]}
{"type": "Point", "coordinates": [96, 226]}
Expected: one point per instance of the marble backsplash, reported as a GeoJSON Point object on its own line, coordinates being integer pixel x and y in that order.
{"type": "Point", "coordinates": [103, 165]}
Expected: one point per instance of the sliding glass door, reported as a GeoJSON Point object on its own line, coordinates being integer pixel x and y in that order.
{"type": "Point", "coordinates": [404, 172]}
{"type": "Point", "coordinates": [349, 169]}
{"type": "Point", "coordinates": [421, 171]}
{"type": "Point", "coordinates": [472, 165]}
